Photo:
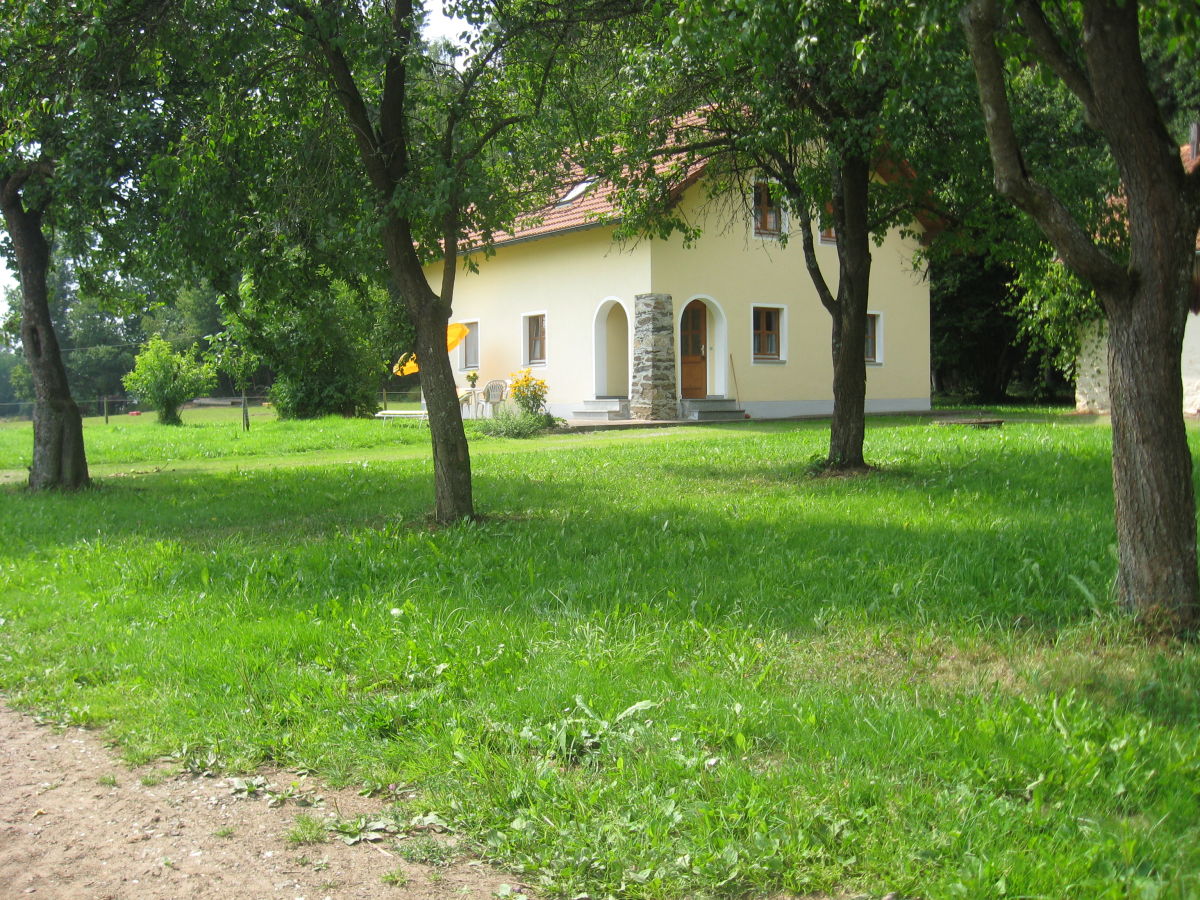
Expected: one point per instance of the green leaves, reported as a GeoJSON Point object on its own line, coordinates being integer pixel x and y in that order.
{"type": "Point", "coordinates": [362, 829]}
{"type": "Point", "coordinates": [91, 106]}
{"type": "Point", "coordinates": [165, 379]}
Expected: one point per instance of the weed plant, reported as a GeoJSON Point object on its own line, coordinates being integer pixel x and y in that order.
{"type": "Point", "coordinates": [426, 850]}
{"type": "Point", "coordinates": [394, 877]}
{"type": "Point", "coordinates": [665, 664]}
{"type": "Point", "coordinates": [514, 423]}
{"type": "Point", "coordinates": [307, 829]}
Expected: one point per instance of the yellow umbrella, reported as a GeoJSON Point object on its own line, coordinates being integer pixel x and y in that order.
{"type": "Point", "coordinates": [455, 334]}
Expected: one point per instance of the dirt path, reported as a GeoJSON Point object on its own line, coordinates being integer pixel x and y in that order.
{"type": "Point", "coordinates": [76, 822]}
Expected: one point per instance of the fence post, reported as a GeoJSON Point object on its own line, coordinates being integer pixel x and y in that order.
{"type": "Point", "coordinates": [106, 409]}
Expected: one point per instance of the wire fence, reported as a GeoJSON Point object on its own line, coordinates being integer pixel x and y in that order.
{"type": "Point", "coordinates": [22, 410]}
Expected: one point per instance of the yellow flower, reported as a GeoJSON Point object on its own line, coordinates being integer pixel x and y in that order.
{"type": "Point", "coordinates": [528, 392]}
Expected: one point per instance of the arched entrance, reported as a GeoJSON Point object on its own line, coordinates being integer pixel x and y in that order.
{"type": "Point", "coordinates": [611, 350]}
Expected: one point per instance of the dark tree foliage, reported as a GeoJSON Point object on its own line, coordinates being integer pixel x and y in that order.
{"type": "Point", "coordinates": [982, 347]}
{"type": "Point", "coordinates": [325, 349]}
{"type": "Point", "coordinates": [9, 400]}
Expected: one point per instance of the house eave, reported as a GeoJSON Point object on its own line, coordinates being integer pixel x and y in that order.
{"type": "Point", "coordinates": [525, 239]}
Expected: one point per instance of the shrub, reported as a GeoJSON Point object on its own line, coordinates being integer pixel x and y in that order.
{"type": "Point", "coordinates": [515, 424]}
{"type": "Point", "coordinates": [323, 390]}
{"type": "Point", "coordinates": [166, 379]}
{"type": "Point", "coordinates": [323, 347]}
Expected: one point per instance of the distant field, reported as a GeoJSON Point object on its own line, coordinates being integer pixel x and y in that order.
{"type": "Point", "coordinates": [666, 663]}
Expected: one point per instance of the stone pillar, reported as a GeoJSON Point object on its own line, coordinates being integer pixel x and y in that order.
{"type": "Point", "coordinates": [653, 393]}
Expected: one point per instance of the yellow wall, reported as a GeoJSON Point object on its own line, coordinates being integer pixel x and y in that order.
{"type": "Point", "coordinates": [568, 277]}
{"type": "Point", "coordinates": [582, 280]}
{"type": "Point", "coordinates": [733, 270]}
{"type": "Point", "coordinates": [618, 330]}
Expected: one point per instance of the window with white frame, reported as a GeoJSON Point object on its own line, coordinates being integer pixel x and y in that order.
{"type": "Point", "coordinates": [469, 349]}
{"type": "Point", "coordinates": [534, 329]}
{"type": "Point", "coordinates": [873, 349]}
{"type": "Point", "coordinates": [767, 330]}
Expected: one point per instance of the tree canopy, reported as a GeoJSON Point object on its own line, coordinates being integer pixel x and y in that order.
{"type": "Point", "coordinates": [76, 130]}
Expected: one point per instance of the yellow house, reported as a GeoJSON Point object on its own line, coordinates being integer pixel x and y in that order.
{"type": "Point", "coordinates": [728, 328]}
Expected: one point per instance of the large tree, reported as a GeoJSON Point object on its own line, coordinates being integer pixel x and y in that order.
{"type": "Point", "coordinates": [1096, 49]}
{"type": "Point", "coordinates": [80, 90]}
{"type": "Point", "coordinates": [813, 97]}
{"type": "Point", "coordinates": [451, 145]}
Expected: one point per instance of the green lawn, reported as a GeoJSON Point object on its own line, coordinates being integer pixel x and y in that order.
{"type": "Point", "coordinates": [667, 663]}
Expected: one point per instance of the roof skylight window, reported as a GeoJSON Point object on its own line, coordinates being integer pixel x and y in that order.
{"type": "Point", "coordinates": [576, 191]}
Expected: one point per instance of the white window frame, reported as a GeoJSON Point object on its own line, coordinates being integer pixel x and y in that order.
{"type": "Point", "coordinates": [879, 332]}
{"type": "Point", "coordinates": [783, 332]}
{"type": "Point", "coordinates": [465, 365]}
{"type": "Point", "coordinates": [525, 360]}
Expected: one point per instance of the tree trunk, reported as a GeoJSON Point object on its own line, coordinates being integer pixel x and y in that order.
{"type": "Point", "coordinates": [1154, 498]}
{"type": "Point", "coordinates": [1153, 493]}
{"type": "Point", "coordinates": [848, 429]}
{"type": "Point", "coordinates": [451, 456]}
{"type": "Point", "coordinates": [429, 314]}
{"type": "Point", "coordinates": [383, 146]}
{"type": "Point", "coordinates": [59, 460]}
{"type": "Point", "coordinates": [1145, 301]}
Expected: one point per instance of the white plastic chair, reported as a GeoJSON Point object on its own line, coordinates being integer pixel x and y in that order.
{"type": "Point", "coordinates": [493, 393]}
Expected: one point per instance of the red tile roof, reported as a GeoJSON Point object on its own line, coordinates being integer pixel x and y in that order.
{"type": "Point", "coordinates": [593, 206]}
{"type": "Point", "coordinates": [596, 206]}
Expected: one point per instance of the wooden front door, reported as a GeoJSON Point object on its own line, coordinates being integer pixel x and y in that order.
{"type": "Point", "coordinates": [693, 343]}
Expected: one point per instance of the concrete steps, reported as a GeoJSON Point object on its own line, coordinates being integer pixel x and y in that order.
{"type": "Point", "coordinates": [603, 409]}
{"type": "Point", "coordinates": [712, 409]}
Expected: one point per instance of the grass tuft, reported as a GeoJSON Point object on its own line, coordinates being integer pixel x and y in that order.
{"type": "Point", "coordinates": [426, 850]}
{"type": "Point", "coordinates": [307, 829]}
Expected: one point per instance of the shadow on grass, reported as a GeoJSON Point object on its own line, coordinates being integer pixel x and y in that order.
{"type": "Point", "coordinates": [980, 537]}
{"type": "Point", "coordinates": [983, 535]}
